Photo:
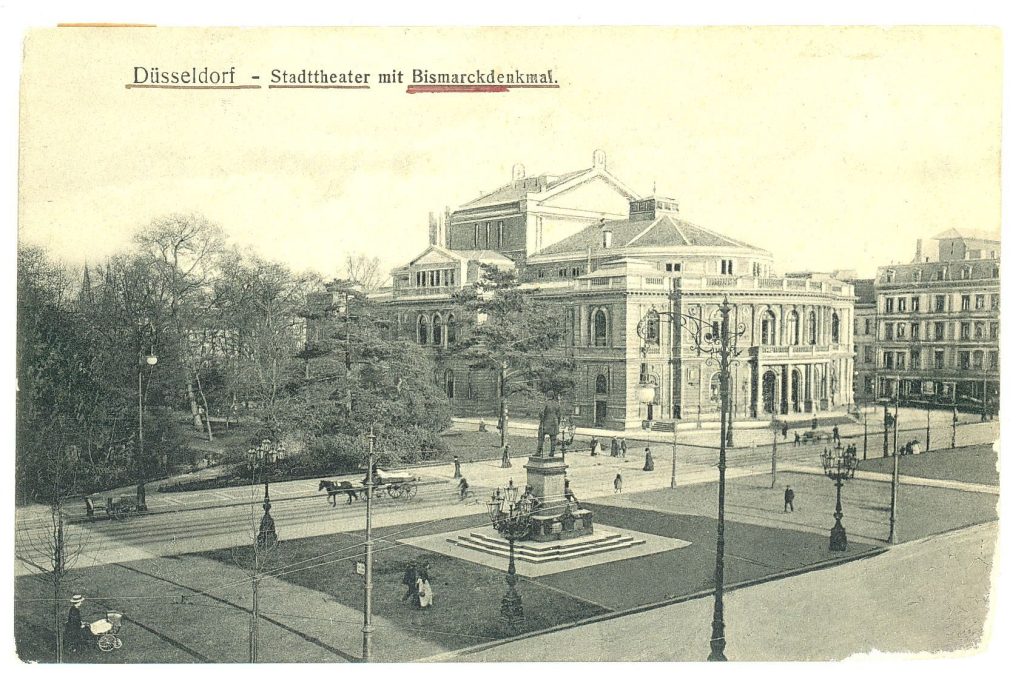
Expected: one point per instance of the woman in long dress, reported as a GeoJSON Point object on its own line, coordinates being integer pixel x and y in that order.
{"type": "Point", "coordinates": [425, 592]}
{"type": "Point", "coordinates": [648, 460]}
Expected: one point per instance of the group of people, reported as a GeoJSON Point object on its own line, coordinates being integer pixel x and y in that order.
{"type": "Point", "coordinates": [617, 447]}
{"type": "Point", "coordinates": [417, 583]}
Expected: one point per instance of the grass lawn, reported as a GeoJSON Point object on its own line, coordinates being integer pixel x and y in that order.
{"type": "Point", "coordinates": [970, 464]}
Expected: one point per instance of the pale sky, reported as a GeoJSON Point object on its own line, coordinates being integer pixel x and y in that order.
{"type": "Point", "coordinates": [832, 148]}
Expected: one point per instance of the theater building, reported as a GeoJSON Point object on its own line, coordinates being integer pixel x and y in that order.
{"type": "Point", "coordinates": [610, 258]}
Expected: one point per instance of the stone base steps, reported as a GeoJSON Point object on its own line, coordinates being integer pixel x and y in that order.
{"type": "Point", "coordinates": [545, 552]}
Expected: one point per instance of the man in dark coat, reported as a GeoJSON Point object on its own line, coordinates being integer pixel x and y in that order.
{"type": "Point", "coordinates": [788, 497]}
{"type": "Point", "coordinates": [835, 435]}
{"type": "Point", "coordinates": [550, 418]}
{"type": "Point", "coordinates": [409, 580]}
{"type": "Point", "coordinates": [615, 447]}
{"type": "Point", "coordinates": [785, 431]}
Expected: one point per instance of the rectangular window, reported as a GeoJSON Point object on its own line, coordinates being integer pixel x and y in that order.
{"type": "Point", "coordinates": [940, 331]}
{"type": "Point", "coordinates": [979, 360]}
{"type": "Point", "coordinates": [902, 306]}
{"type": "Point", "coordinates": [940, 303]}
{"type": "Point", "coordinates": [993, 330]}
{"type": "Point", "coordinates": [915, 360]}
{"type": "Point", "coordinates": [869, 354]}
{"type": "Point", "coordinates": [901, 330]}
{"type": "Point", "coordinates": [888, 305]}
{"type": "Point", "coordinates": [668, 267]}
{"type": "Point", "coordinates": [965, 302]}
{"type": "Point", "coordinates": [915, 303]}
{"type": "Point", "coordinates": [979, 331]}
{"type": "Point", "coordinates": [501, 234]}
{"type": "Point", "coordinates": [995, 302]}
{"type": "Point", "coordinates": [940, 359]}
{"type": "Point", "coordinates": [887, 360]}
{"type": "Point", "coordinates": [915, 331]}
{"type": "Point", "coordinates": [965, 360]}
{"type": "Point", "coordinates": [867, 326]}
{"type": "Point", "coordinates": [888, 331]}
{"type": "Point", "coordinates": [901, 360]}
{"type": "Point", "coordinates": [726, 267]}
{"type": "Point", "coordinates": [476, 235]}
{"type": "Point", "coordinates": [993, 360]}
{"type": "Point", "coordinates": [979, 301]}
{"type": "Point", "coordinates": [965, 331]}
{"type": "Point", "coordinates": [677, 267]}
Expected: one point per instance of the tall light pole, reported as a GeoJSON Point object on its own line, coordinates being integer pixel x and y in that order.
{"type": "Point", "coordinates": [368, 554]}
{"type": "Point", "coordinates": [719, 343]}
{"type": "Point", "coordinates": [895, 467]}
{"type": "Point", "coordinates": [149, 360]}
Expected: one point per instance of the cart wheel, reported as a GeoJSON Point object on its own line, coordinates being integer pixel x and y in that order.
{"type": "Point", "coordinates": [395, 491]}
{"type": "Point", "coordinates": [409, 490]}
{"type": "Point", "coordinates": [117, 642]}
{"type": "Point", "coordinates": [106, 643]}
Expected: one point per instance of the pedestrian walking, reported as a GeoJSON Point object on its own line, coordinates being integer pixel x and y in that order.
{"type": "Point", "coordinates": [648, 460]}
{"type": "Point", "coordinates": [785, 430]}
{"type": "Point", "coordinates": [458, 468]}
{"type": "Point", "coordinates": [617, 483]}
{"type": "Point", "coordinates": [814, 422]}
{"type": "Point", "coordinates": [788, 496]}
{"type": "Point", "coordinates": [594, 445]}
{"type": "Point", "coordinates": [463, 489]}
{"type": "Point", "coordinates": [506, 461]}
{"type": "Point", "coordinates": [409, 580]}
{"type": "Point", "coordinates": [90, 510]}
{"type": "Point", "coordinates": [615, 447]}
{"type": "Point", "coordinates": [74, 628]}
{"type": "Point", "coordinates": [835, 435]}
{"type": "Point", "coordinates": [622, 448]}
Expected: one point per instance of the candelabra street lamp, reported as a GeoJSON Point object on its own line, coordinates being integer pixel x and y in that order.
{"type": "Point", "coordinates": [839, 466]}
{"type": "Point", "coordinates": [265, 454]}
{"type": "Point", "coordinates": [511, 516]}
{"type": "Point", "coordinates": [714, 338]}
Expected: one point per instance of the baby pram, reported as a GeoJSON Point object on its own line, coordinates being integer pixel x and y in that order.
{"type": "Point", "coordinates": [106, 630]}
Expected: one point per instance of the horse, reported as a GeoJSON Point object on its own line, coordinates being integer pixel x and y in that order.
{"type": "Point", "coordinates": [335, 487]}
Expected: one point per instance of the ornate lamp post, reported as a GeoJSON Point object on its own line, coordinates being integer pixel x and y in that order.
{"type": "Point", "coordinates": [510, 515]}
{"type": "Point", "coordinates": [839, 466]}
{"type": "Point", "coordinates": [716, 339]}
{"type": "Point", "coordinates": [262, 455]}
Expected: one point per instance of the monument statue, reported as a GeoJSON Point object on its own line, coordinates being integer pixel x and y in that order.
{"type": "Point", "coordinates": [550, 418]}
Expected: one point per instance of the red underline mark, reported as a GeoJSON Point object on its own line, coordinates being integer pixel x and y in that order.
{"type": "Point", "coordinates": [433, 89]}
{"type": "Point", "coordinates": [131, 86]}
{"type": "Point", "coordinates": [318, 87]}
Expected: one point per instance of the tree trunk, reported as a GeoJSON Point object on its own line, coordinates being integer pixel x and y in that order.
{"type": "Point", "coordinates": [206, 407]}
{"type": "Point", "coordinates": [254, 624]}
{"type": "Point", "coordinates": [502, 403]}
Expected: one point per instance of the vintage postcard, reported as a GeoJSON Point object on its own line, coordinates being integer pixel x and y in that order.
{"type": "Point", "coordinates": [506, 344]}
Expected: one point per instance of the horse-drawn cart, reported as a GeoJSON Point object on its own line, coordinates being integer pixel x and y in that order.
{"type": "Point", "coordinates": [121, 508]}
{"type": "Point", "coordinates": [397, 485]}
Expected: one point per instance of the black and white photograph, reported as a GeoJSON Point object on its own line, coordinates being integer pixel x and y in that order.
{"type": "Point", "coordinates": [506, 344]}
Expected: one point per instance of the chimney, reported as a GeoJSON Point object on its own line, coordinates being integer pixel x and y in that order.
{"type": "Point", "coordinates": [606, 235]}
{"type": "Point", "coordinates": [920, 250]}
{"type": "Point", "coordinates": [433, 230]}
{"type": "Point", "coordinates": [446, 238]}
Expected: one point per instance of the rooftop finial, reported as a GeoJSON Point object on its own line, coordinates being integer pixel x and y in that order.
{"type": "Point", "coordinates": [518, 171]}
{"type": "Point", "coordinates": [599, 158]}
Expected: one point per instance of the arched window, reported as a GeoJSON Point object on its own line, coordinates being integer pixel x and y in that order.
{"type": "Point", "coordinates": [600, 328]}
{"type": "Point", "coordinates": [421, 330]}
{"type": "Point", "coordinates": [793, 328]}
{"type": "Point", "coordinates": [835, 328]}
{"type": "Point", "coordinates": [812, 327]}
{"type": "Point", "coordinates": [451, 330]}
{"type": "Point", "coordinates": [601, 385]}
{"type": "Point", "coordinates": [716, 386]}
{"type": "Point", "coordinates": [449, 383]}
{"type": "Point", "coordinates": [768, 328]}
{"type": "Point", "coordinates": [437, 329]}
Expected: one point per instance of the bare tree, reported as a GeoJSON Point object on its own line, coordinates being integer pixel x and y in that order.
{"type": "Point", "coordinates": [50, 546]}
{"type": "Point", "coordinates": [258, 556]}
{"type": "Point", "coordinates": [366, 271]}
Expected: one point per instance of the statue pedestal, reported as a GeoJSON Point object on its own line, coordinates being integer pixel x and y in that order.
{"type": "Point", "coordinates": [546, 477]}
{"type": "Point", "coordinates": [553, 519]}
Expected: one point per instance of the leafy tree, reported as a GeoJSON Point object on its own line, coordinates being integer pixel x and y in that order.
{"type": "Point", "coordinates": [516, 336]}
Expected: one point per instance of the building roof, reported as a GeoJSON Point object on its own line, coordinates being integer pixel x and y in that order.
{"type": "Point", "coordinates": [962, 234]}
{"type": "Point", "coordinates": [864, 290]}
{"type": "Point", "coordinates": [663, 231]}
{"type": "Point", "coordinates": [518, 189]}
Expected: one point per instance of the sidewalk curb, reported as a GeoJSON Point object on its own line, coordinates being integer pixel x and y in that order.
{"type": "Point", "coordinates": [611, 615]}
